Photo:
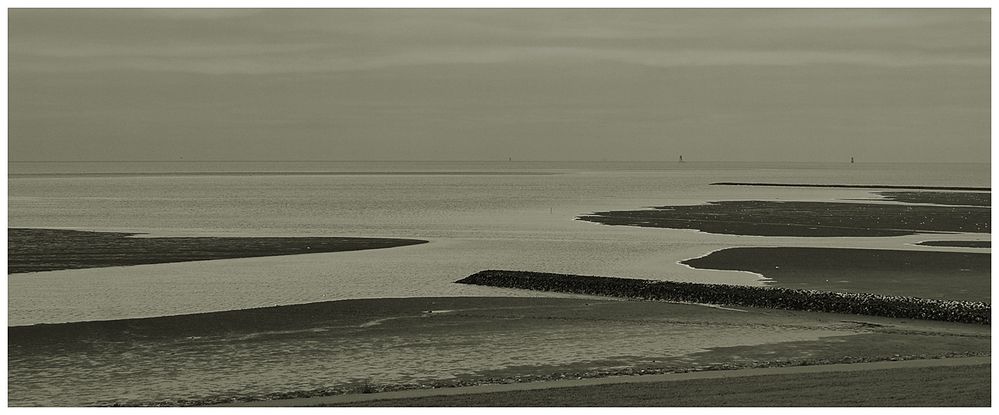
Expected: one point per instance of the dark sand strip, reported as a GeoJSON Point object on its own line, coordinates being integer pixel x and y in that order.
{"type": "Point", "coordinates": [34, 250]}
{"type": "Point", "coordinates": [807, 219]}
{"type": "Point", "coordinates": [926, 274]}
{"type": "Point", "coordinates": [735, 295]}
{"type": "Point", "coordinates": [958, 244]}
{"type": "Point", "coordinates": [941, 198]}
{"type": "Point", "coordinates": [774, 386]}
{"type": "Point", "coordinates": [263, 319]}
{"type": "Point", "coordinates": [856, 186]}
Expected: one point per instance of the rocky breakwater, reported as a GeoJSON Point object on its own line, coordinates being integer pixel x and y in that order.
{"type": "Point", "coordinates": [735, 295]}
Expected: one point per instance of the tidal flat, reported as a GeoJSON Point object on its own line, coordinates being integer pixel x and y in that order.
{"type": "Point", "coordinates": [958, 244]}
{"type": "Point", "coordinates": [924, 274]}
{"type": "Point", "coordinates": [945, 385]}
{"type": "Point", "coordinates": [941, 198]}
{"type": "Point", "coordinates": [360, 346]}
{"type": "Point", "coordinates": [35, 250]}
{"type": "Point", "coordinates": [804, 219]}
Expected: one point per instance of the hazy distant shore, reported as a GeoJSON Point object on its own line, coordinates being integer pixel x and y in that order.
{"type": "Point", "coordinates": [34, 250]}
{"type": "Point", "coordinates": [282, 173]}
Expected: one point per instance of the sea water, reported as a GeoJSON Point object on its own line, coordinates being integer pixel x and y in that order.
{"type": "Point", "coordinates": [475, 215]}
{"type": "Point", "coordinates": [500, 215]}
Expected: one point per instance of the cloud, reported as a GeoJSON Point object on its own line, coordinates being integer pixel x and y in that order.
{"type": "Point", "coordinates": [237, 41]}
{"type": "Point", "coordinates": [195, 14]}
{"type": "Point", "coordinates": [275, 59]}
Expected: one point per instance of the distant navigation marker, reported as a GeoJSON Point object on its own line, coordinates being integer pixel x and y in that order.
{"type": "Point", "coordinates": [851, 160]}
{"type": "Point", "coordinates": [681, 158]}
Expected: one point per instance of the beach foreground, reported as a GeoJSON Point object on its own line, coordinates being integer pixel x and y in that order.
{"type": "Point", "coordinates": [943, 382]}
{"type": "Point", "coordinates": [364, 346]}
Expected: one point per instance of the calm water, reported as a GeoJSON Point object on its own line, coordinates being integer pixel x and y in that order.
{"type": "Point", "coordinates": [509, 215]}
{"type": "Point", "coordinates": [475, 215]}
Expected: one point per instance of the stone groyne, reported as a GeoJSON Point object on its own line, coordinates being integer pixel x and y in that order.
{"type": "Point", "coordinates": [746, 296]}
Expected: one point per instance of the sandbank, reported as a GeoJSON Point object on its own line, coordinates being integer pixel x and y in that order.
{"type": "Point", "coordinates": [806, 219]}
{"type": "Point", "coordinates": [926, 274]}
{"type": "Point", "coordinates": [958, 244]}
{"type": "Point", "coordinates": [34, 250]}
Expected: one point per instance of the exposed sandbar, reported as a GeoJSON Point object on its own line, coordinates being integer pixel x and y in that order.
{"type": "Point", "coordinates": [33, 250]}
{"type": "Point", "coordinates": [941, 198]}
{"type": "Point", "coordinates": [855, 186]}
{"type": "Point", "coordinates": [819, 219]}
{"type": "Point", "coordinates": [926, 274]}
{"type": "Point", "coordinates": [958, 244]}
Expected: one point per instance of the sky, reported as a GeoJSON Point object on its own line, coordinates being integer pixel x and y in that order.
{"type": "Point", "coordinates": [491, 84]}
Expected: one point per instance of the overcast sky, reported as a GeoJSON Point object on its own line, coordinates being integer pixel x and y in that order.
{"type": "Point", "coordinates": [760, 85]}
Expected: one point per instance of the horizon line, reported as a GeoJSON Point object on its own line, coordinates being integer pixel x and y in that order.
{"type": "Point", "coordinates": [493, 161]}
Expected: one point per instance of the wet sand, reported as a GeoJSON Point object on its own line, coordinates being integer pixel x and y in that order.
{"type": "Point", "coordinates": [34, 250]}
{"type": "Point", "coordinates": [941, 382]}
{"type": "Point", "coordinates": [958, 244]}
{"type": "Point", "coordinates": [925, 274]}
{"type": "Point", "coordinates": [808, 219]}
{"type": "Point", "coordinates": [360, 346]}
{"type": "Point", "coordinates": [970, 213]}
{"type": "Point", "coordinates": [941, 198]}
{"type": "Point", "coordinates": [855, 186]}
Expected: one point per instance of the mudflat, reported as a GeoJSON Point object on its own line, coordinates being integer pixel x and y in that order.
{"type": "Point", "coordinates": [856, 186]}
{"type": "Point", "coordinates": [970, 213]}
{"type": "Point", "coordinates": [965, 386]}
{"type": "Point", "coordinates": [34, 250]}
{"type": "Point", "coordinates": [941, 198]}
{"type": "Point", "coordinates": [361, 346]}
{"type": "Point", "coordinates": [958, 244]}
{"type": "Point", "coordinates": [818, 219]}
{"type": "Point", "coordinates": [925, 274]}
